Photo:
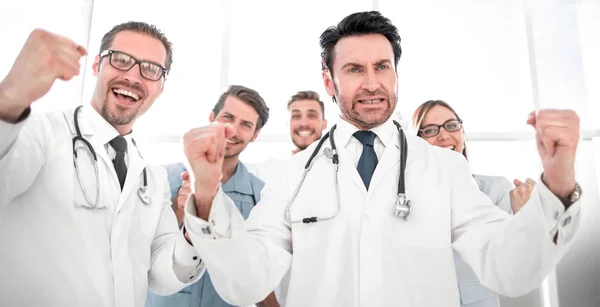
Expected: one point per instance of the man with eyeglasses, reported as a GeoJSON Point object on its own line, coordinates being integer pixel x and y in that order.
{"type": "Point", "coordinates": [84, 220]}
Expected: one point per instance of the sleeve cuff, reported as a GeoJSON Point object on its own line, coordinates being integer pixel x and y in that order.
{"type": "Point", "coordinates": [187, 265]}
{"type": "Point", "coordinates": [564, 221]}
{"type": "Point", "coordinates": [218, 224]}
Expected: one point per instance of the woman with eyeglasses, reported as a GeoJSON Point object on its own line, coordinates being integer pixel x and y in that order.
{"type": "Point", "coordinates": [437, 123]}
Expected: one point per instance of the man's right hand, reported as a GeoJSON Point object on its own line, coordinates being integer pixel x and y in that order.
{"type": "Point", "coordinates": [44, 58]}
{"type": "Point", "coordinates": [204, 148]}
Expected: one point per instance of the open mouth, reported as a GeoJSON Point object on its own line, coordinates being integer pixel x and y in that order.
{"type": "Point", "coordinates": [370, 101]}
{"type": "Point", "coordinates": [232, 142]}
{"type": "Point", "coordinates": [304, 133]}
{"type": "Point", "coordinates": [451, 147]}
{"type": "Point", "coordinates": [126, 95]}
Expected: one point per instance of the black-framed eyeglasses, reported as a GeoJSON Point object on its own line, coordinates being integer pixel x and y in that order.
{"type": "Point", "coordinates": [432, 130]}
{"type": "Point", "coordinates": [124, 62]}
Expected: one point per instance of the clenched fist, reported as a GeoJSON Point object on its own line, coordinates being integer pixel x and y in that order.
{"type": "Point", "coordinates": [44, 58]}
{"type": "Point", "coordinates": [204, 149]}
{"type": "Point", "coordinates": [557, 136]}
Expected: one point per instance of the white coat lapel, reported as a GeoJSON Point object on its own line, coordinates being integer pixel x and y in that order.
{"type": "Point", "coordinates": [349, 171]}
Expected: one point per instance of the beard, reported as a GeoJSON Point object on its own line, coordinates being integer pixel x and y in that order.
{"type": "Point", "coordinates": [117, 117]}
{"type": "Point", "coordinates": [234, 152]}
{"type": "Point", "coordinates": [114, 113]}
{"type": "Point", "coordinates": [371, 118]}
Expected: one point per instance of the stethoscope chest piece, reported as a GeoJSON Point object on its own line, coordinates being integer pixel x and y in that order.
{"type": "Point", "coordinates": [143, 195]}
{"type": "Point", "coordinates": [402, 207]}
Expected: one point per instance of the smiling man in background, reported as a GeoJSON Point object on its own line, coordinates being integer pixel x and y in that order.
{"type": "Point", "coordinates": [245, 110]}
{"type": "Point", "coordinates": [307, 119]}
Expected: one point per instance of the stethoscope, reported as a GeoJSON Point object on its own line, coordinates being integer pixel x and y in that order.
{"type": "Point", "coordinates": [142, 191]}
{"type": "Point", "coordinates": [402, 207]}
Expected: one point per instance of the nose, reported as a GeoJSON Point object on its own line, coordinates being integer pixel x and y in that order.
{"type": "Point", "coordinates": [370, 82]}
{"type": "Point", "coordinates": [303, 122]}
{"type": "Point", "coordinates": [443, 135]}
{"type": "Point", "coordinates": [133, 75]}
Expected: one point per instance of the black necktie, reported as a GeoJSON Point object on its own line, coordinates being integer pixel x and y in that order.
{"type": "Point", "coordinates": [368, 158]}
{"type": "Point", "coordinates": [120, 145]}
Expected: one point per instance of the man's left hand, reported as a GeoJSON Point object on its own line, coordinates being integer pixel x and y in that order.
{"type": "Point", "coordinates": [557, 136]}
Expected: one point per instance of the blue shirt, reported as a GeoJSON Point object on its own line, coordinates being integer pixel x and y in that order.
{"type": "Point", "coordinates": [244, 189]}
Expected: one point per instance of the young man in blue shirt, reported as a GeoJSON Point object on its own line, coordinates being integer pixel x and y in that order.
{"type": "Point", "coordinates": [245, 110]}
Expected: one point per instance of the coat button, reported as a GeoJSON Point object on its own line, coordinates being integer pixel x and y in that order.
{"type": "Point", "coordinates": [195, 258]}
{"type": "Point", "coordinates": [566, 221]}
{"type": "Point", "coordinates": [192, 277]}
{"type": "Point", "coordinates": [556, 215]}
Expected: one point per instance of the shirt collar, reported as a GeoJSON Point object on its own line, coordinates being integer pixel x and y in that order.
{"type": "Point", "coordinates": [240, 181]}
{"type": "Point", "coordinates": [345, 130]}
{"type": "Point", "coordinates": [103, 130]}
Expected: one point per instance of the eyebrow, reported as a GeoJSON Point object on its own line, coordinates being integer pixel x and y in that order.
{"type": "Point", "coordinates": [386, 61]}
{"type": "Point", "coordinates": [243, 121]}
{"type": "Point", "coordinates": [353, 64]}
{"type": "Point", "coordinates": [307, 111]}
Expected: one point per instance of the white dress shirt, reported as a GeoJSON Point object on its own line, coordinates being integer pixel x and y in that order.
{"type": "Point", "coordinates": [345, 133]}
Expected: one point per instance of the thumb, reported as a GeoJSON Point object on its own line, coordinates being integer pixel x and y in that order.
{"type": "Point", "coordinates": [185, 176]}
{"type": "Point", "coordinates": [228, 130]}
{"type": "Point", "coordinates": [531, 119]}
{"type": "Point", "coordinates": [81, 50]}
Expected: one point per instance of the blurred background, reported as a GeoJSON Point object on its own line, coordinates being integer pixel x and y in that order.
{"type": "Point", "coordinates": [492, 60]}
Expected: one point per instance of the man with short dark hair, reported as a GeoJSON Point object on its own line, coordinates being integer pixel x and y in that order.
{"type": "Point", "coordinates": [246, 112]}
{"type": "Point", "coordinates": [338, 215]}
{"type": "Point", "coordinates": [307, 119]}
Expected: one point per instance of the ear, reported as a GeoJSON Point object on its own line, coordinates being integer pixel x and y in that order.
{"type": "Point", "coordinates": [328, 81]}
{"type": "Point", "coordinates": [211, 118]}
{"type": "Point", "coordinates": [255, 135]}
{"type": "Point", "coordinates": [96, 66]}
{"type": "Point", "coordinates": [324, 126]}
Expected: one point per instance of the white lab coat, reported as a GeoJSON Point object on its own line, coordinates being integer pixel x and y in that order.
{"type": "Point", "coordinates": [56, 252]}
{"type": "Point", "coordinates": [366, 256]}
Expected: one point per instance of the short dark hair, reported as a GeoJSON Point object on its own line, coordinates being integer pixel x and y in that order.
{"type": "Point", "coordinates": [423, 109]}
{"type": "Point", "coordinates": [355, 25]}
{"type": "Point", "coordinates": [249, 96]}
{"type": "Point", "coordinates": [142, 28]}
{"type": "Point", "coordinates": [307, 95]}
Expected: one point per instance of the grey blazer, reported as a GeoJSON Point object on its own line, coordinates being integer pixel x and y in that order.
{"type": "Point", "coordinates": [472, 292]}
